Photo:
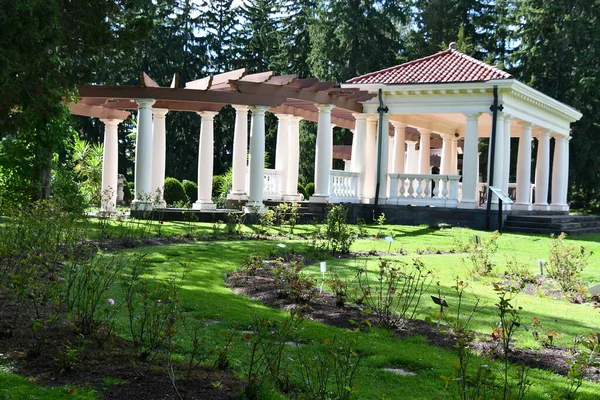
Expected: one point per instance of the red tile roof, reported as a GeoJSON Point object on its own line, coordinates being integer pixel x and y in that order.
{"type": "Point", "coordinates": [447, 66]}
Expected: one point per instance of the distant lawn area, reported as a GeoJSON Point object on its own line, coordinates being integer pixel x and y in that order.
{"type": "Point", "coordinates": [219, 314]}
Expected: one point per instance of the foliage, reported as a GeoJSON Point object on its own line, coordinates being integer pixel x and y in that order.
{"type": "Point", "coordinates": [310, 189]}
{"type": "Point", "coordinates": [544, 335]}
{"type": "Point", "coordinates": [566, 263]}
{"type": "Point", "coordinates": [480, 254]}
{"type": "Point", "coordinates": [395, 292]}
{"type": "Point", "coordinates": [338, 234]}
{"type": "Point", "coordinates": [174, 192]}
{"type": "Point", "coordinates": [64, 191]}
{"type": "Point", "coordinates": [191, 190]}
{"type": "Point", "coordinates": [153, 309]}
{"type": "Point", "coordinates": [293, 284]}
{"type": "Point", "coordinates": [87, 160]}
{"type": "Point", "coordinates": [303, 191]}
{"type": "Point", "coordinates": [85, 289]}
{"type": "Point", "coordinates": [585, 358]}
{"type": "Point", "coordinates": [266, 221]}
{"type": "Point", "coordinates": [287, 214]}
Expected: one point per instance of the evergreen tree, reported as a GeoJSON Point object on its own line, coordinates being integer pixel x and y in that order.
{"type": "Point", "coordinates": [294, 38]}
{"type": "Point", "coordinates": [559, 55]}
{"type": "Point", "coordinates": [354, 37]}
{"type": "Point", "coordinates": [257, 41]}
{"type": "Point", "coordinates": [220, 25]}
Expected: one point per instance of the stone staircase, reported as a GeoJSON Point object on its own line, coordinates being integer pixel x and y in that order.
{"type": "Point", "coordinates": [572, 225]}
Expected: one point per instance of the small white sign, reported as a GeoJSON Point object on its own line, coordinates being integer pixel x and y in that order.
{"type": "Point", "coordinates": [323, 267]}
{"type": "Point", "coordinates": [281, 245]}
{"type": "Point", "coordinates": [389, 239]}
{"type": "Point", "coordinates": [595, 290]}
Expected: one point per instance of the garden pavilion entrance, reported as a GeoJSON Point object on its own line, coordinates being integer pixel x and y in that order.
{"type": "Point", "coordinates": [438, 104]}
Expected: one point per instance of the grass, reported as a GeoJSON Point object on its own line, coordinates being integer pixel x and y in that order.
{"type": "Point", "coordinates": [14, 387]}
{"type": "Point", "coordinates": [219, 312]}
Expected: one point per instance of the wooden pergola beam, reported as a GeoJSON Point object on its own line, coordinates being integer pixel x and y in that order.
{"type": "Point", "coordinates": [288, 91]}
{"type": "Point", "coordinates": [97, 112]}
{"type": "Point", "coordinates": [183, 95]}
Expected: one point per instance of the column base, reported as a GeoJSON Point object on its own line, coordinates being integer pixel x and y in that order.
{"type": "Point", "coordinates": [521, 207]}
{"type": "Point", "coordinates": [541, 207]}
{"type": "Point", "coordinates": [142, 205]}
{"type": "Point", "coordinates": [467, 205]}
{"type": "Point", "coordinates": [255, 207]}
{"type": "Point", "coordinates": [204, 205]}
{"type": "Point", "coordinates": [319, 198]}
{"type": "Point", "coordinates": [292, 197]}
{"type": "Point", "coordinates": [160, 204]}
{"type": "Point", "coordinates": [559, 207]}
{"type": "Point", "coordinates": [237, 196]}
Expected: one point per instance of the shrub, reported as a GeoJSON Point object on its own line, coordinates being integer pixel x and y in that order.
{"type": "Point", "coordinates": [65, 191]}
{"type": "Point", "coordinates": [310, 189]}
{"type": "Point", "coordinates": [127, 193]}
{"type": "Point", "coordinates": [566, 263]}
{"type": "Point", "coordinates": [174, 191]}
{"type": "Point", "coordinates": [480, 254]}
{"type": "Point", "coordinates": [191, 190]}
{"type": "Point", "coordinates": [338, 234]}
{"type": "Point", "coordinates": [302, 191]}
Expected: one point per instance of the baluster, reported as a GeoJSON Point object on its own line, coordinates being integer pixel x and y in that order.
{"type": "Point", "coordinates": [420, 184]}
{"type": "Point", "coordinates": [436, 187]}
{"type": "Point", "coordinates": [445, 187]}
{"type": "Point", "coordinates": [411, 187]}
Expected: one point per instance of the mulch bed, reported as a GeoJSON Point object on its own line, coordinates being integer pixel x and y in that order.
{"type": "Point", "coordinates": [262, 285]}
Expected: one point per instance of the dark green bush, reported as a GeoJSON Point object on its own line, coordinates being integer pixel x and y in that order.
{"type": "Point", "coordinates": [303, 191]}
{"type": "Point", "coordinates": [127, 193]}
{"type": "Point", "coordinates": [174, 192]}
{"type": "Point", "coordinates": [65, 191]}
{"type": "Point", "coordinates": [310, 188]}
{"type": "Point", "coordinates": [191, 190]}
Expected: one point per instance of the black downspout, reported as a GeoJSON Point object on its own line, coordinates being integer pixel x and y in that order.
{"type": "Point", "coordinates": [494, 109]}
{"type": "Point", "coordinates": [380, 110]}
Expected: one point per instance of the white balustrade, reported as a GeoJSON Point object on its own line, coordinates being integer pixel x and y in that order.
{"type": "Point", "coordinates": [271, 185]}
{"type": "Point", "coordinates": [427, 189]}
{"type": "Point", "coordinates": [343, 186]}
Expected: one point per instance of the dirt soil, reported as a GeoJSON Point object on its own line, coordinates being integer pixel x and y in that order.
{"type": "Point", "coordinates": [262, 285]}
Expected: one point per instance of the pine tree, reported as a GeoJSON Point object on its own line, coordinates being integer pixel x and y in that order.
{"type": "Point", "coordinates": [220, 25]}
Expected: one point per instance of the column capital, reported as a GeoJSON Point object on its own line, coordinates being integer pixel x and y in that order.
{"type": "Point", "coordinates": [424, 131]}
{"type": "Point", "coordinates": [545, 133]}
{"type": "Point", "coordinates": [411, 142]}
{"type": "Point", "coordinates": [372, 117]}
{"type": "Point", "coordinates": [472, 116]}
{"type": "Point", "coordinates": [160, 112]}
{"type": "Point", "coordinates": [525, 124]}
{"type": "Point", "coordinates": [207, 115]}
{"type": "Point", "coordinates": [398, 125]}
{"type": "Point", "coordinates": [259, 110]}
{"type": "Point", "coordinates": [360, 116]}
{"type": "Point", "coordinates": [283, 117]}
{"type": "Point", "coordinates": [145, 103]}
{"type": "Point", "coordinates": [325, 107]}
{"type": "Point", "coordinates": [294, 118]}
{"type": "Point", "coordinates": [240, 108]}
{"type": "Point", "coordinates": [111, 121]}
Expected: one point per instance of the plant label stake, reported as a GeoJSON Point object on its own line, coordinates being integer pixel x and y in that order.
{"type": "Point", "coordinates": [390, 240]}
{"type": "Point", "coordinates": [541, 263]}
{"type": "Point", "coordinates": [440, 301]}
{"type": "Point", "coordinates": [323, 270]}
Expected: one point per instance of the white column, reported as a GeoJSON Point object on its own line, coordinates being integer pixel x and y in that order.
{"type": "Point", "coordinates": [424, 152]}
{"type": "Point", "coordinates": [560, 174]}
{"type": "Point", "coordinates": [206, 157]}
{"type": "Point", "coordinates": [282, 151]}
{"type": "Point", "coordinates": [370, 158]}
{"type": "Point", "coordinates": [412, 157]}
{"type": "Point", "coordinates": [506, 155]}
{"type": "Point", "coordinates": [110, 165]}
{"type": "Point", "coordinates": [159, 153]}
{"type": "Point", "coordinates": [143, 156]}
{"type": "Point", "coordinates": [359, 143]}
{"type": "Point", "coordinates": [542, 171]}
{"type": "Point", "coordinates": [565, 182]}
{"type": "Point", "coordinates": [454, 156]}
{"type": "Point", "coordinates": [257, 160]}
{"type": "Point", "coordinates": [446, 161]}
{"type": "Point", "coordinates": [399, 147]}
{"type": "Point", "coordinates": [499, 154]}
{"type": "Point", "coordinates": [323, 154]}
{"type": "Point", "coordinates": [240, 154]}
{"type": "Point", "coordinates": [383, 165]}
{"type": "Point", "coordinates": [293, 159]}
{"type": "Point", "coordinates": [469, 170]}
{"type": "Point", "coordinates": [523, 201]}
{"type": "Point", "coordinates": [348, 165]}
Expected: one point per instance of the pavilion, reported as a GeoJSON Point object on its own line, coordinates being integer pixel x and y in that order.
{"type": "Point", "coordinates": [440, 103]}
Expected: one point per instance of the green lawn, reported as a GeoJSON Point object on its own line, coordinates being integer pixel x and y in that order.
{"type": "Point", "coordinates": [208, 303]}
